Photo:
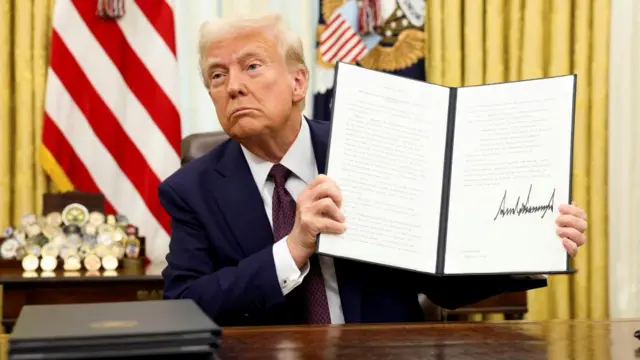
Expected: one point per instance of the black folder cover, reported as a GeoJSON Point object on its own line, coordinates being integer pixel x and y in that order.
{"type": "Point", "coordinates": [160, 329]}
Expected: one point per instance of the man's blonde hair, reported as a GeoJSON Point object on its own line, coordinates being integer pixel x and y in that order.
{"type": "Point", "coordinates": [289, 43]}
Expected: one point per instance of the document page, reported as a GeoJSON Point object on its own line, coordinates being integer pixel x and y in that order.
{"type": "Point", "coordinates": [511, 170]}
{"type": "Point", "coordinates": [386, 154]}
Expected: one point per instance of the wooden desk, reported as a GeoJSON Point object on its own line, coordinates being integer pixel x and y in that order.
{"type": "Point", "coordinates": [570, 340]}
{"type": "Point", "coordinates": [577, 340]}
{"type": "Point", "coordinates": [18, 288]}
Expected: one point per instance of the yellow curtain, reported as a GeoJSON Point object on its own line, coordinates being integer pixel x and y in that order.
{"type": "Point", "coordinates": [24, 53]}
{"type": "Point", "coordinates": [472, 42]}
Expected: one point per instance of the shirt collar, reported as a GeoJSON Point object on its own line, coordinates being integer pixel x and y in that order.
{"type": "Point", "coordinates": [300, 159]}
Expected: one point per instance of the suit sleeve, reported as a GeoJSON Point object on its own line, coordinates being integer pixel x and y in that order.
{"type": "Point", "coordinates": [457, 291]}
{"type": "Point", "coordinates": [191, 273]}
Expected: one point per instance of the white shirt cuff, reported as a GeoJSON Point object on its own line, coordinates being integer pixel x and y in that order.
{"type": "Point", "coordinates": [289, 276]}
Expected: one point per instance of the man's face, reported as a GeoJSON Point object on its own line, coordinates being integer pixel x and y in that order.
{"type": "Point", "coordinates": [251, 86]}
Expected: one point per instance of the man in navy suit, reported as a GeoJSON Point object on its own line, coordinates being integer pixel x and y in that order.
{"type": "Point", "coordinates": [245, 216]}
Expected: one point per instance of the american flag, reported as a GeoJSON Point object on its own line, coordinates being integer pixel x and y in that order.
{"type": "Point", "coordinates": [341, 40]}
{"type": "Point", "coordinates": [111, 122]}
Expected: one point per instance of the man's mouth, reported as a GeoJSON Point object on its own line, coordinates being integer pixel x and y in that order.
{"type": "Point", "coordinates": [241, 110]}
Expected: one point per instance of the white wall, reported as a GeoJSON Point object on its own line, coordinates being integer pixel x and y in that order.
{"type": "Point", "coordinates": [196, 109]}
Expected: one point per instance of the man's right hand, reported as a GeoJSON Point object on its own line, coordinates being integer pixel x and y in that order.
{"type": "Point", "coordinates": [318, 210]}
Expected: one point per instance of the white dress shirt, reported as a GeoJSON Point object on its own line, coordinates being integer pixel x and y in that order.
{"type": "Point", "coordinates": [300, 159]}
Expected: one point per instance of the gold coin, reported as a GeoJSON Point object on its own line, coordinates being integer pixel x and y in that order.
{"type": "Point", "coordinates": [92, 262]}
{"type": "Point", "coordinates": [28, 219]}
{"type": "Point", "coordinates": [50, 250]}
{"type": "Point", "coordinates": [30, 263]}
{"type": "Point", "coordinates": [33, 230]}
{"type": "Point", "coordinates": [9, 248]}
{"type": "Point", "coordinates": [96, 218]}
{"type": "Point", "coordinates": [110, 262]}
{"type": "Point", "coordinates": [105, 228]}
{"type": "Point", "coordinates": [72, 263]}
{"type": "Point", "coordinates": [54, 219]}
{"type": "Point", "coordinates": [75, 214]}
{"type": "Point", "coordinates": [48, 263]}
{"type": "Point", "coordinates": [90, 229]}
{"type": "Point", "coordinates": [117, 250]}
{"type": "Point", "coordinates": [101, 250]}
{"type": "Point", "coordinates": [34, 249]}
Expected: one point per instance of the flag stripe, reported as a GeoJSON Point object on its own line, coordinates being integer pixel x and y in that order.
{"type": "Point", "coordinates": [136, 75]}
{"type": "Point", "coordinates": [57, 143]}
{"type": "Point", "coordinates": [106, 173]}
{"type": "Point", "coordinates": [356, 53]}
{"type": "Point", "coordinates": [344, 33]}
{"type": "Point", "coordinates": [151, 49]}
{"type": "Point", "coordinates": [107, 128]}
{"type": "Point", "coordinates": [336, 22]}
{"type": "Point", "coordinates": [349, 41]}
{"type": "Point", "coordinates": [111, 86]}
{"type": "Point", "coordinates": [160, 14]}
{"type": "Point", "coordinates": [338, 28]}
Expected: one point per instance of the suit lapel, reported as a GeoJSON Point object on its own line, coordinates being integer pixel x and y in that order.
{"type": "Point", "coordinates": [240, 201]}
{"type": "Point", "coordinates": [349, 285]}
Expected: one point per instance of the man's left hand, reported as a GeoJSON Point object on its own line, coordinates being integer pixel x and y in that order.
{"type": "Point", "coordinates": [572, 224]}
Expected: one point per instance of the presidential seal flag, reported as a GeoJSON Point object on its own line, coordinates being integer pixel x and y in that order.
{"type": "Point", "coordinates": [111, 122]}
{"type": "Point", "coordinates": [389, 36]}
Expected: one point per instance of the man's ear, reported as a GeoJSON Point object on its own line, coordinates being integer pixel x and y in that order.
{"type": "Point", "coordinates": [300, 79]}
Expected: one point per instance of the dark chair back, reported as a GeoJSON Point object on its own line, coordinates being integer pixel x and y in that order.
{"type": "Point", "coordinates": [198, 144]}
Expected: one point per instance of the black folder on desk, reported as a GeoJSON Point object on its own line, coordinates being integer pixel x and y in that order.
{"type": "Point", "coordinates": [163, 329]}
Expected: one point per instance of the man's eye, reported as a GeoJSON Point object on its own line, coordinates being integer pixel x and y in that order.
{"type": "Point", "coordinates": [253, 66]}
{"type": "Point", "coordinates": [216, 76]}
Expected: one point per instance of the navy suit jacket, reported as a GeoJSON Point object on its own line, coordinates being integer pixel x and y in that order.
{"type": "Point", "coordinates": [220, 254]}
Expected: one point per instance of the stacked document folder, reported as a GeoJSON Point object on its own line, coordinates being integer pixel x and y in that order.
{"type": "Point", "coordinates": [164, 329]}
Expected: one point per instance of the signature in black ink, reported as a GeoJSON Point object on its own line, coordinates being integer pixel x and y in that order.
{"type": "Point", "coordinates": [524, 209]}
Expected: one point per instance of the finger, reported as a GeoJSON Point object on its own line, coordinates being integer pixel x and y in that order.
{"type": "Point", "coordinates": [307, 194]}
{"type": "Point", "coordinates": [326, 225]}
{"type": "Point", "coordinates": [571, 221]}
{"type": "Point", "coordinates": [327, 208]}
{"type": "Point", "coordinates": [572, 234]}
{"type": "Point", "coordinates": [572, 210]}
{"type": "Point", "coordinates": [570, 246]}
{"type": "Point", "coordinates": [327, 190]}
{"type": "Point", "coordinates": [318, 180]}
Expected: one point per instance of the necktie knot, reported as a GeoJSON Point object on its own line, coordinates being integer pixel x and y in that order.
{"type": "Point", "coordinates": [279, 174]}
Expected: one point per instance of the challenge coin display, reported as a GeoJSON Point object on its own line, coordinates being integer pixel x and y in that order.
{"type": "Point", "coordinates": [72, 239]}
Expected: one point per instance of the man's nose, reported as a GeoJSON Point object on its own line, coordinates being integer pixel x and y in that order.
{"type": "Point", "coordinates": [236, 84]}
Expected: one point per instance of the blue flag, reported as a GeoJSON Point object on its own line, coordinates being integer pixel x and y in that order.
{"type": "Point", "coordinates": [396, 45]}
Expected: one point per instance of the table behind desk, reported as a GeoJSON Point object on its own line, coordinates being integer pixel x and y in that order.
{"type": "Point", "coordinates": [18, 289]}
